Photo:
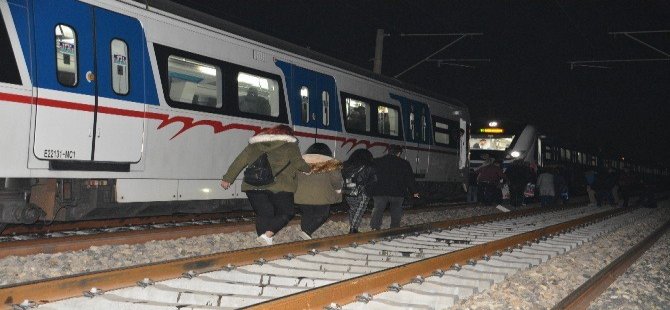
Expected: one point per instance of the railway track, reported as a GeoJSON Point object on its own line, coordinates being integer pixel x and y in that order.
{"type": "Point", "coordinates": [447, 257]}
{"type": "Point", "coordinates": [141, 232]}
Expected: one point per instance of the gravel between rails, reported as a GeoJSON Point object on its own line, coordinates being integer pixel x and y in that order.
{"type": "Point", "coordinates": [15, 269]}
{"type": "Point", "coordinates": [645, 286]}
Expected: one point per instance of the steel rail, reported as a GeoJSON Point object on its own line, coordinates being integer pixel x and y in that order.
{"type": "Point", "coordinates": [378, 282]}
{"type": "Point", "coordinates": [39, 228]}
{"type": "Point", "coordinates": [582, 297]}
{"type": "Point", "coordinates": [81, 242]}
{"type": "Point", "coordinates": [50, 290]}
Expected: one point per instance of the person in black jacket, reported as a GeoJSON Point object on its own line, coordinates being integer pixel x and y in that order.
{"type": "Point", "coordinates": [359, 178]}
{"type": "Point", "coordinates": [518, 175]}
{"type": "Point", "coordinates": [394, 178]}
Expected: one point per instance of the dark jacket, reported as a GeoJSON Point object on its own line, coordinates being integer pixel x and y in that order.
{"type": "Point", "coordinates": [281, 150]}
{"type": "Point", "coordinates": [394, 177]}
{"type": "Point", "coordinates": [490, 174]}
{"type": "Point", "coordinates": [364, 175]}
{"type": "Point", "coordinates": [322, 185]}
{"type": "Point", "coordinates": [517, 175]}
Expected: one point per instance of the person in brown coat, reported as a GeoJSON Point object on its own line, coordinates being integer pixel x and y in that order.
{"type": "Point", "coordinates": [273, 203]}
{"type": "Point", "coordinates": [318, 189]}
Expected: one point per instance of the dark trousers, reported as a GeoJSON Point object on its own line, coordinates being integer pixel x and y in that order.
{"type": "Point", "coordinates": [273, 210]}
{"type": "Point", "coordinates": [381, 202]}
{"type": "Point", "coordinates": [357, 206]}
{"type": "Point", "coordinates": [313, 216]}
{"type": "Point", "coordinates": [516, 194]}
{"type": "Point", "coordinates": [545, 201]}
{"type": "Point", "coordinates": [489, 193]}
{"type": "Point", "coordinates": [625, 197]}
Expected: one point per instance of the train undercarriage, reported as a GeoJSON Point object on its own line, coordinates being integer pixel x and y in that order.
{"type": "Point", "coordinates": [29, 201]}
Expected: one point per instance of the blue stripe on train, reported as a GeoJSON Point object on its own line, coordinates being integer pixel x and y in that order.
{"type": "Point", "coordinates": [110, 25]}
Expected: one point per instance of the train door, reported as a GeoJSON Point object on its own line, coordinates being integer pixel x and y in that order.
{"type": "Point", "coordinates": [304, 99]}
{"type": "Point", "coordinates": [87, 60]}
{"type": "Point", "coordinates": [423, 140]}
{"type": "Point", "coordinates": [416, 120]}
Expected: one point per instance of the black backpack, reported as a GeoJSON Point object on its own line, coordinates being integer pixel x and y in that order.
{"type": "Point", "coordinates": [259, 173]}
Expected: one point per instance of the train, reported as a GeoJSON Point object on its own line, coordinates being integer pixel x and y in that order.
{"type": "Point", "coordinates": [123, 108]}
{"type": "Point", "coordinates": [507, 141]}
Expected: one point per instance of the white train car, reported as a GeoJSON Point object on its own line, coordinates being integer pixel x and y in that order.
{"type": "Point", "coordinates": [121, 108]}
{"type": "Point", "coordinates": [505, 142]}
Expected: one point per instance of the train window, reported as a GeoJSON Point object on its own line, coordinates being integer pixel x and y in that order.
{"type": "Point", "coordinates": [10, 72]}
{"type": "Point", "coordinates": [325, 103]}
{"type": "Point", "coordinates": [412, 133]}
{"type": "Point", "coordinates": [194, 82]}
{"type": "Point", "coordinates": [387, 121]}
{"type": "Point", "coordinates": [424, 125]}
{"type": "Point", "coordinates": [66, 55]}
{"type": "Point", "coordinates": [304, 104]}
{"type": "Point", "coordinates": [441, 133]}
{"type": "Point", "coordinates": [119, 62]}
{"type": "Point", "coordinates": [257, 94]}
{"type": "Point", "coordinates": [358, 115]}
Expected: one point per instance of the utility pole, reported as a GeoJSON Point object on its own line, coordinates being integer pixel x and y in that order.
{"type": "Point", "coordinates": [379, 48]}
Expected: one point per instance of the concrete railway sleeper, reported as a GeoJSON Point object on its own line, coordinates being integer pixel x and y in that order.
{"type": "Point", "coordinates": [394, 256]}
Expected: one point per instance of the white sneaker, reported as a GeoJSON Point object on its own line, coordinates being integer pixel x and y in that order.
{"type": "Point", "coordinates": [304, 235]}
{"type": "Point", "coordinates": [264, 239]}
{"type": "Point", "coordinates": [501, 208]}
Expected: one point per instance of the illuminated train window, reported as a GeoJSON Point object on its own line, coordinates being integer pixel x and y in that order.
{"type": "Point", "coordinates": [358, 115]}
{"type": "Point", "coordinates": [424, 126]}
{"type": "Point", "coordinates": [387, 121]}
{"type": "Point", "coordinates": [119, 61]}
{"type": "Point", "coordinates": [257, 94]}
{"type": "Point", "coordinates": [194, 82]}
{"type": "Point", "coordinates": [66, 55]}
{"type": "Point", "coordinates": [441, 133]}
{"type": "Point", "coordinates": [412, 132]}
{"type": "Point", "coordinates": [325, 103]}
{"type": "Point", "coordinates": [304, 104]}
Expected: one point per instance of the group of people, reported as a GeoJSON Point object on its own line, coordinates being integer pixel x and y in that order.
{"type": "Point", "coordinates": [611, 187]}
{"type": "Point", "coordinates": [316, 180]}
{"type": "Point", "coordinates": [489, 184]}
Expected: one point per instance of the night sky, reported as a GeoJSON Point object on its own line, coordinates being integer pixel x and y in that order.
{"type": "Point", "coordinates": [622, 108]}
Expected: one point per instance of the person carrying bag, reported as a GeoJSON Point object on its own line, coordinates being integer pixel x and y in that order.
{"type": "Point", "coordinates": [270, 194]}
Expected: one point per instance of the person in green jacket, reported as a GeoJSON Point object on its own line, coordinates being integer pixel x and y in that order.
{"type": "Point", "coordinates": [318, 189]}
{"type": "Point", "coordinates": [273, 203]}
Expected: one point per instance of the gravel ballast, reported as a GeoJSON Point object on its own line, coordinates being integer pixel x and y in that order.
{"type": "Point", "coordinates": [543, 286]}
{"type": "Point", "coordinates": [17, 269]}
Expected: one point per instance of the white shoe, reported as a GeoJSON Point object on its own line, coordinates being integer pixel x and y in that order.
{"type": "Point", "coordinates": [501, 208]}
{"type": "Point", "coordinates": [264, 239]}
{"type": "Point", "coordinates": [304, 235]}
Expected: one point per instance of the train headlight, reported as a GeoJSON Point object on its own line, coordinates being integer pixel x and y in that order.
{"type": "Point", "coordinates": [493, 124]}
{"type": "Point", "coordinates": [515, 154]}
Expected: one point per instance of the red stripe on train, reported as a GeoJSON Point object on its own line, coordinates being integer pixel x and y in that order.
{"type": "Point", "coordinates": [188, 122]}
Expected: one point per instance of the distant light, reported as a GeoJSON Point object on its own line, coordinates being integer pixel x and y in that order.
{"type": "Point", "coordinates": [206, 190]}
{"type": "Point", "coordinates": [491, 130]}
{"type": "Point", "coordinates": [457, 112]}
{"type": "Point", "coordinates": [515, 154]}
{"type": "Point", "coordinates": [493, 124]}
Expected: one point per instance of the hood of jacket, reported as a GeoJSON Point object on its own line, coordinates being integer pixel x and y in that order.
{"type": "Point", "coordinates": [321, 163]}
{"type": "Point", "coordinates": [273, 137]}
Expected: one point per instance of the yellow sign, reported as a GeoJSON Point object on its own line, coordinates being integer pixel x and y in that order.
{"type": "Point", "coordinates": [491, 130]}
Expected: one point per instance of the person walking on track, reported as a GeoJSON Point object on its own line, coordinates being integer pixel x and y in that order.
{"type": "Point", "coordinates": [359, 178]}
{"type": "Point", "coordinates": [395, 178]}
{"type": "Point", "coordinates": [272, 158]}
{"type": "Point", "coordinates": [318, 189]}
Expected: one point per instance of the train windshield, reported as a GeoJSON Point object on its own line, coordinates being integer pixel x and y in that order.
{"type": "Point", "coordinates": [499, 143]}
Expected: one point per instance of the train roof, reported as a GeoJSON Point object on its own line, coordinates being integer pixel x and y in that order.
{"type": "Point", "coordinates": [221, 24]}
